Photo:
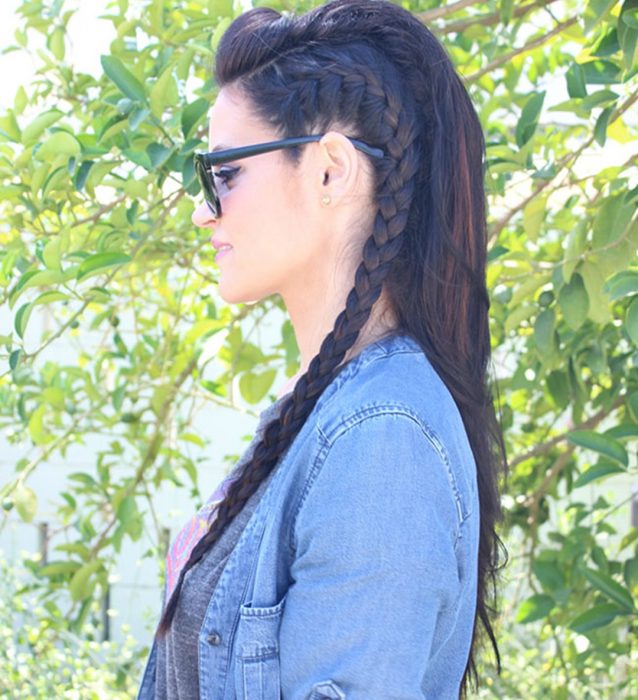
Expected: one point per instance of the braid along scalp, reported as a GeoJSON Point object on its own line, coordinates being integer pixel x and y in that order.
{"type": "Point", "coordinates": [372, 69]}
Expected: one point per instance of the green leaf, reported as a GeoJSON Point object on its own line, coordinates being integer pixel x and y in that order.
{"type": "Point", "coordinates": [631, 320]}
{"type": "Point", "coordinates": [9, 126]}
{"type": "Point", "coordinates": [253, 387]}
{"type": "Point", "coordinates": [574, 301]}
{"type": "Point", "coordinates": [57, 568]}
{"type": "Point", "coordinates": [558, 387]}
{"type": "Point", "coordinates": [600, 98]}
{"type": "Point", "coordinates": [128, 84]}
{"type": "Point", "coordinates": [14, 357]}
{"type": "Point", "coordinates": [630, 572]}
{"type": "Point", "coordinates": [632, 403]}
{"type": "Point", "coordinates": [533, 216]}
{"type": "Point", "coordinates": [528, 121]}
{"type": "Point", "coordinates": [95, 264]}
{"type": "Point", "coordinates": [163, 93]}
{"type": "Point", "coordinates": [622, 284]}
{"type": "Point", "coordinates": [628, 33]}
{"type": "Point", "coordinates": [130, 517]}
{"type": "Point", "coordinates": [59, 143]}
{"type": "Point", "coordinates": [21, 100]}
{"type": "Point", "coordinates": [137, 116]}
{"type": "Point", "coordinates": [192, 114]}
{"type": "Point", "coordinates": [601, 72]}
{"type": "Point", "coordinates": [594, 282]}
{"type": "Point", "coordinates": [118, 397]}
{"type": "Point", "coordinates": [544, 332]}
{"type": "Point", "coordinates": [55, 42]}
{"type": "Point", "coordinates": [31, 132]}
{"type": "Point", "coordinates": [611, 588]}
{"type": "Point", "coordinates": [157, 16]}
{"type": "Point", "coordinates": [575, 77]}
{"type": "Point", "coordinates": [159, 398]}
{"type": "Point", "coordinates": [112, 127]}
{"type": "Point", "coordinates": [576, 244]}
{"type": "Point", "coordinates": [81, 585]}
{"type": "Point", "coordinates": [535, 608]}
{"type": "Point", "coordinates": [37, 430]}
{"type": "Point", "coordinates": [549, 574]}
{"type": "Point", "coordinates": [598, 471]}
{"type": "Point", "coordinates": [193, 438]}
{"type": "Point", "coordinates": [79, 178]}
{"type": "Point", "coordinates": [602, 444]}
{"type": "Point", "coordinates": [51, 253]}
{"type": "Point", "coordinates": [26, 502]}
{"type": "Point", "coordinates": [623, 431]}
{"type": "Point", "coordinates": [158, 154]}
{"type": "Point", "coordinates": [600, 130]}
{"type": "Point", "coordinates": [201, 330]}
{"type": "Point", "coordinates": [50, 297]}
{"type": "Point", "coordinates": [127, 509]}
{"type": "Point", "coordinates": [596, 11]}
{"type": "Point", "coordinates": [22, 318]}
{"type": "Point", "coordinates": [598, 616]}
{"type": "Point", "coordinates": [496, 252]}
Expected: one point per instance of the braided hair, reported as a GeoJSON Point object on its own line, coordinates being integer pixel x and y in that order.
{"type": "Point", "coordinates": [373, 69]}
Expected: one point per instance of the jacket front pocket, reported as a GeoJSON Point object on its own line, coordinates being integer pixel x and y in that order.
{"type": "Point", "coordinates": [257, 674]}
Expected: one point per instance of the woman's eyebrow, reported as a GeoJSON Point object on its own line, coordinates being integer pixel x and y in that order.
{"type": "Point", "coordinates": [220, 147]}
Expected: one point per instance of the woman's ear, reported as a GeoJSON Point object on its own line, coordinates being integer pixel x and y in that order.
{"type": "Point", "coordinates": [339, 166]}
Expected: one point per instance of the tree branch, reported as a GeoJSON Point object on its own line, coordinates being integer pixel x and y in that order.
{"type": "Point", "coordinates": [507, 57]}
{"type": "Point", "coordinates": [438, 12]}
{"type": "Point", "coordinates": [588, 424]}
{"type": "Point", "coordinates": [491, 19]}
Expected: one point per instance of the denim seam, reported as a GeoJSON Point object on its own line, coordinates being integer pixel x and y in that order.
{"type": "Point", "coordinates": [312, 475]}
{"type": "Point", "coordinates": [268, 653]}
{"type": "Point", "coordinates": [368, 355]}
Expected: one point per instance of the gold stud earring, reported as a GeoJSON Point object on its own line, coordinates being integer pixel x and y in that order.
{"type": "Point", "coordinates": [325, 199]}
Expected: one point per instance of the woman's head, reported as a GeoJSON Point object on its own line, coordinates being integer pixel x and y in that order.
{"type": "Point", "coordinates": [295, 224]}
{"type": "Point", "coordinates": [413, 223]}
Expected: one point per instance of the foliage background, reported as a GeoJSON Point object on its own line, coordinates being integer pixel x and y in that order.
{"type": "Point", "coordinates": [96, 194]}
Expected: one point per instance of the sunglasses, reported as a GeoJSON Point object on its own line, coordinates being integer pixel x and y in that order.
{"type": "Point", "coordinates": [204, 162]}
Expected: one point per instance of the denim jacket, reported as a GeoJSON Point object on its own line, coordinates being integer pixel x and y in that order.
{"type": "Point", "coordinates": [356, 575]}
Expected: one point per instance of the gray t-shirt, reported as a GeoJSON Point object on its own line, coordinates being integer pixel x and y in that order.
{"type": "Point", "coordinates": [177, 669]}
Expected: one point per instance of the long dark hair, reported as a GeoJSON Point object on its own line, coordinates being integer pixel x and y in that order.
{"type": "Point", "coordinates": [373, 67]}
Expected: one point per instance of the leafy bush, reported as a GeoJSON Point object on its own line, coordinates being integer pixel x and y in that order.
{"type": "Point", "coordinates": [41, 659]}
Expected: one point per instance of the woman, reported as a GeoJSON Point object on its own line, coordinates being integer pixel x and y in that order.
{"type": "Point", "coordinates": [349, 553]}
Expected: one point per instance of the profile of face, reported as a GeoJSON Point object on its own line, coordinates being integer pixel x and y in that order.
{"type": "Point", "coordinates": [283, 239]}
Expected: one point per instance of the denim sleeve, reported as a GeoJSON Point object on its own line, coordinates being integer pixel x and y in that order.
{"type": "Point", "coordinates": [375, 564]}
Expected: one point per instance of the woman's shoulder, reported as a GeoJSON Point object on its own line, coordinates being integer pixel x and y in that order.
{"type": "Point", "coordinates": [390, 377]}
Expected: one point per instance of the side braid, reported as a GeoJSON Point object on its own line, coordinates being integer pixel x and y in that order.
{"type": "Point", "coordinates": [355, 85]}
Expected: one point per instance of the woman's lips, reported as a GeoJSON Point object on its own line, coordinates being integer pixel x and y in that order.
{"type": "Point", "coordinates": [222, 248]}
{"type": "Point", "coordinates": [223, 251]}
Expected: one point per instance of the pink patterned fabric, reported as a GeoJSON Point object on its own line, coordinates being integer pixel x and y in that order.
{"type": "Point", "coordinates": [190, 535]}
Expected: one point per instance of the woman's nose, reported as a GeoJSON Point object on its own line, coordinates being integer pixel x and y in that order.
{"type": "Point", "coordinates": [203, 216]}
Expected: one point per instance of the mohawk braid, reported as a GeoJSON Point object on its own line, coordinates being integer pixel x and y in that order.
{"type": "Point", "coordinates": [354, 87]}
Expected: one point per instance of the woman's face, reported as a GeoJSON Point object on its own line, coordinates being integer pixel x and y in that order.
{"type": "Point", "coordinates": [267, 214]}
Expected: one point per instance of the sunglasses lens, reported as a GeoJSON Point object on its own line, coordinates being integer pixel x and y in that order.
{"type": "Point", "coordinates": [208, 187]}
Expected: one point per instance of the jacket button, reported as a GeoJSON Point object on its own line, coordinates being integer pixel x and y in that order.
{"type": "Point", "coordinates": [214, 639]}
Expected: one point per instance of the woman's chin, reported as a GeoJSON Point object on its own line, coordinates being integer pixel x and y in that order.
{"type": "Point", "coordinates": [238, 296]}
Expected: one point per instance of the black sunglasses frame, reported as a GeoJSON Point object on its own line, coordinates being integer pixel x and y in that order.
{"type": "Point", "coordinates": [204, 161]}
